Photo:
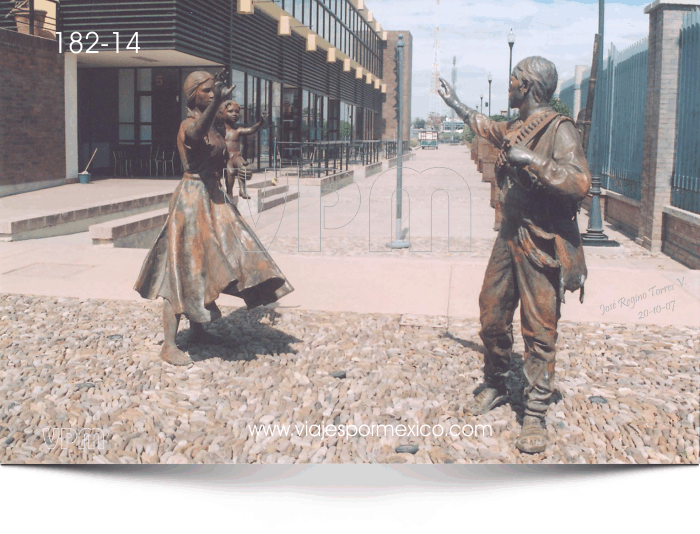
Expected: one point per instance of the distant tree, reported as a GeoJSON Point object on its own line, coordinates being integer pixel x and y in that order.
{"type": "Point", "coordinates": [500, 118]}
{"type": "Point", "coordinates": [435, 121]}
{"type": "Point", "coordinates": [419, 123]}
{"type": "Point", "coordinates": [468, 134]}
{"type": "Point", "coordinates": [560, 107]}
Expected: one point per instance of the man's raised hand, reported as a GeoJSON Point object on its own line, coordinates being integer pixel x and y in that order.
{"type": "Point", "coordinates": [447, 93]}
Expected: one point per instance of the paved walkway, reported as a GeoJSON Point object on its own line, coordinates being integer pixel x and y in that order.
{"type": "Point", "coordinates": [411, 355]}
{"type": "Point", "coordinates": [353, 270]}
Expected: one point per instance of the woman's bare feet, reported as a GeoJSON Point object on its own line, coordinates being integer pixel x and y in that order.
{"type": "Point", "coordinates": [170, 353]}
{"type": "Point", "coordinates": [174, 356]}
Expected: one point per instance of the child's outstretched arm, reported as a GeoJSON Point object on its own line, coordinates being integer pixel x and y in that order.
{"type": "Point", "coordinates": [252, 129]}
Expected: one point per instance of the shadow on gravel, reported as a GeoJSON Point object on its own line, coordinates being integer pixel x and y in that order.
{"type": "Point", "coordinates": [478, 347]}
{"type": "Point", "coordinates": [244, 335]}
{"type": "Point", "coordinates": [515, 379]}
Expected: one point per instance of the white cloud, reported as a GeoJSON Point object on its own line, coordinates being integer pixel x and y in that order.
{"type": "Point", "coordinates": [475, 32]}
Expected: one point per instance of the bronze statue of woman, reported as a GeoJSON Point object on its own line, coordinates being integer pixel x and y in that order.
{"type": "Point", "coordinates": [205, 248]}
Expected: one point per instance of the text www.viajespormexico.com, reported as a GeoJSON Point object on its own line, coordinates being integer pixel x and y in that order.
{"type": "Point", "coordinates": [350, 431]}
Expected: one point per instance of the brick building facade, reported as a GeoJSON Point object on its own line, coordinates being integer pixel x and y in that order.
{"type": "Point", "coordinates": [389, 122]}
{"type": "Point", "coordinates": [32, 134]}
{"type": "Point", "coordinates": [314, 67]}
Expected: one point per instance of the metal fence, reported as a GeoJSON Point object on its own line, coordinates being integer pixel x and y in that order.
{"type": "Point", "coordinates": [323, 158]}
{"type": "Point", "coordinates": [566, 94]}
{"type": "Point", "coordinates": [391, 146]}
{"type": "Point", "coordinates": [23, 16]}
{"type": "Point", "coordinates": [685, 188]}
{"type": "Point", "coordinates": [616, 144]}
{"type": "Point", "coordinates": [621, 160]}
{"type": "Point", "coordinates": [317, 158]}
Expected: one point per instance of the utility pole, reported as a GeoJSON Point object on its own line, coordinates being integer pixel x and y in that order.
{"type": "Point", "coordinates": [454, 87]}
{"type": "Point", "coordinates": [490, 79]}
{"type": "Point", "coordinates": [511, 42]}
{"type": "Point", "coordinates": [594, 235]}
{"type": "Point", "coordinates": [399, 242]}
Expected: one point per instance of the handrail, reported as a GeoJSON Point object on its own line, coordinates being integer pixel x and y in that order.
{"type": "Point", "coordinates": [329, 157]}
{"type": "Point", "coordinates": [30, 21]}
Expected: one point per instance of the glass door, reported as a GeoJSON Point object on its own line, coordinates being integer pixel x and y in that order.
{"type": "Point", "coordinates": [165, 106]}
{"type": "Point", "coordinates": [291, 122]}
{"type": "Point", "coordinates": [333, 120]}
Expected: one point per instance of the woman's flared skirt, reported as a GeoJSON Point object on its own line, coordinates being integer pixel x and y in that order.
{"type": "Point", "coordinates": [206, 248]}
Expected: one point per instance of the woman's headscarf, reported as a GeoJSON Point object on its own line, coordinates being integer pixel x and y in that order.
{"type": "Point", "coordinates": [192, 83]}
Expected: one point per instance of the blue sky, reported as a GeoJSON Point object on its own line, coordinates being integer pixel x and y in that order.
{"type": "Point", "coordinates": [475, 31]}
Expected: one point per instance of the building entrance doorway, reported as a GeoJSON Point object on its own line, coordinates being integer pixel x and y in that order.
{"type": "Point", "coordinates": [291, 122]}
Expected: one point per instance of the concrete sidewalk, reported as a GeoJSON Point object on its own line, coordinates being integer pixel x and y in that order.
{"type": "Point", "coordinates": [436, 287]}
{"type": "Point", "coordinates": [624, 286]}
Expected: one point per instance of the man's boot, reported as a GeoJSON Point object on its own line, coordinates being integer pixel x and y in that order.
{"type": "Point", "coordinates": [493, 395]}
{"type": "Point", "coordinates": [496, 366]}
{"type": "Point", "coordinates": [495, 391]}
{"type": "Point", "coordinates": [538, 393]}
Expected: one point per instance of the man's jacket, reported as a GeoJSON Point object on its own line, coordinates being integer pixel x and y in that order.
{"type": "Point", "coordinates": [541, 200]}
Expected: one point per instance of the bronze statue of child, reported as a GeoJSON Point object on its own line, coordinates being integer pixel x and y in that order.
{"type": "Point", "coordinates": [237, 166]}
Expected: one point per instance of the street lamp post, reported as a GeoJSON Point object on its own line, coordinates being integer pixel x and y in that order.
{"type": "Point", "coordinates": [399, 242]}
{"type": "Point", "coordinates": [482, 102]}
{"type": "Point", "coordinates": [595, 235]}
{"type": "Point", "coordinates": [490, 78]}
{"type": "Point", "coordinates": [511, 42]}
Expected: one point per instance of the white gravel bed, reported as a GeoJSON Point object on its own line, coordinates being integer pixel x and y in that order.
{"type": "Point", "coordinates": [626, 394]}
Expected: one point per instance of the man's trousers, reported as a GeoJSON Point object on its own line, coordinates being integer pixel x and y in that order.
{"type": "Point", "coordinates": [512, 277]}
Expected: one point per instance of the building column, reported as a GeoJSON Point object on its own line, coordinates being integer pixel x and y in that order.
{"type": "Point", "coordinates": [665, 21]}
{"type": "Point", "coordinates": [578, 78]}
{"type": "Point", "coordinates": [71, 111]}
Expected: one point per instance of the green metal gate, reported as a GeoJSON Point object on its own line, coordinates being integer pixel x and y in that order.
{"type": "Point", "coordinates": [685, 191]}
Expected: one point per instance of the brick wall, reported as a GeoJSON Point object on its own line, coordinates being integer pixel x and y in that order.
{"type": "Point", "coordinates": [32, 131]}
{"type": "Point", "coordinates": [681, 236]}
{"type": "Point", "coordinates": [622, 212]}
{"type": "Point", "coordinates": [665, 21]}
{"type": "Point", "coordinates": [389, 123]}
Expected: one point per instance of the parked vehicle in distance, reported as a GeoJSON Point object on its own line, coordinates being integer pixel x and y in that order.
{"type": "Point", "coordinates": [428, 139]}
{"type": "Point", "coordinates": [453, 125]}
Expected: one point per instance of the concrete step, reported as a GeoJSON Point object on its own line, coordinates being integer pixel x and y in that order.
{"type": "Point", "coordinates": [64, 221]}
{"type": "Point", "coordinates": [265, 200]}
{"type": "Point", "coordinates": [268, 191]}
{"type": "Point", "coordinates": [133, 231]}
{"type": "Point", "coordinates": [327, 184]}
{"type": "Point", "coordinates": [269, 202]}
{"type": "Point", "coordinates": [261, 184]}
{"type": "Point", "coordinates": [259, 180]}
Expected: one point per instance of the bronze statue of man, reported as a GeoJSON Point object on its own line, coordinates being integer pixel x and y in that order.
{"type": "Point", "coordinates": [538, 255]}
